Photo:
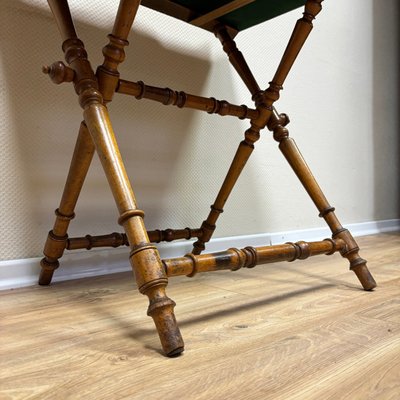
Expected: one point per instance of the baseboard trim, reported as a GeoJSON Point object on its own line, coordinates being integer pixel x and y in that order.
{"type": "Point", "coordinates": [83, 264]}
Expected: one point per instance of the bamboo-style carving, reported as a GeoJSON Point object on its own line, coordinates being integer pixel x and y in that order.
{"type": "Point", "coordinates": [236, 58]}
{"type": "Point", "coordinates": [114, 53]}
{"type": "Point", "coordinates": [264, 101]}
{"type": "Point", "coordinates": [181, 99]}
{"type": "Point", "coordinates": [57, 238]}
{"type": "Point", "coordinates": [249, 257]}
{"type": "Point", "coordinates": [115, 239]}
{"type": "Point", "coordinates": [145, 260]}
{"type": "Point", "coordinates": [245, 148]}
{"type": "Point", "coordinates": [292, 154]}
{"type": "Point", "coordinates": [96, 134]}
{"type": "Point", "coordinates": [300, 34]}
{"type": "Point", "coordinates": [242, 155]}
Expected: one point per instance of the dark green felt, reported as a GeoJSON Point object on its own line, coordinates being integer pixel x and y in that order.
{"type": "Point", "coordinates": [247, 16]}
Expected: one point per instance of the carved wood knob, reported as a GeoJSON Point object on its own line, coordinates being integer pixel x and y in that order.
{"type": "Point", "coordinates": [59, 72]}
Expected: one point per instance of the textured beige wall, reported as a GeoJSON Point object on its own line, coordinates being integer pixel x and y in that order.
{"type": "Point", "coordinates": [342, 97]}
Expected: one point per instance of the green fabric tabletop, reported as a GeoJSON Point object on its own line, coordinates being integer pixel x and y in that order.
{"type": "Point", "coordinates": [247, 16]}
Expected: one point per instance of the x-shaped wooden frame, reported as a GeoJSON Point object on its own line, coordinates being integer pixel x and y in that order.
{"type": "Point", "coordinates": [95, 90]}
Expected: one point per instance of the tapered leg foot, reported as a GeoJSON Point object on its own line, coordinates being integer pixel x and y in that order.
{"type": "Point", "coordinates": [47, 271]}
{"type": "Point", "coordinates": [149, 271]}
{"type": "Point", "coordinates": [364, 276]}
{"type": "Point", "coordinates": [161, 309]}
{"type": "Point", "coordinates": [150, 275]}
{"type": "Point", "coordinates": [57, 237]}
{"type": "Point", "coordinates": [357, 264]}
{"type": "Point", "coordinates": [300, 167]}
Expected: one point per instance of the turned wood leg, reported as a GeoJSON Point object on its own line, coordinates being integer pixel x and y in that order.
{"type": "Point", "coordinates": [245, 148]}
{"type": "Point", "coordinates": [243, 153]}
{"type": "Point", "coordinates": [264, 101]}
{"type": "Point", "coordinates": [293, 156]}
{"type": "Point", "coordinates": [57, 237]}
{"type": "Point", "coordinates": [149, 271]}
{"type": "Point", "coordinates": [150, 275]}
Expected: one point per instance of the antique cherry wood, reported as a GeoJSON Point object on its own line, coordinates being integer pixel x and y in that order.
{"type": "Point", "coordinates": [95, 89]}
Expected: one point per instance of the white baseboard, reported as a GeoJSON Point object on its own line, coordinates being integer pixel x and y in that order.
{"type": "Point", "coordinates": [83, 264]}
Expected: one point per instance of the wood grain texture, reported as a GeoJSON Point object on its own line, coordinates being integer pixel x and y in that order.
{"type": "Point", "coordinates": [219, 12]}
{"type": "Point", "coordinates": [299, 330]}
{"type": "Point", "coordinates": [181, 99]}
{"type": "Point", "coordinates": [144, 257]}
{"type": "Point", "coordinates": [96, 90]}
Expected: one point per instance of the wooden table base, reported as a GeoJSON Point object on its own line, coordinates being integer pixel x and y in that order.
{"type": "Point", "coordinates": [95, 90]}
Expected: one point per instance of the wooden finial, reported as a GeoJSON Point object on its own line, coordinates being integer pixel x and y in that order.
{"type": "Point", "coordinates": [59, 72]}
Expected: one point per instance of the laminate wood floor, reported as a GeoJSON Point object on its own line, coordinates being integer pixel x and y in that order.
{"type": "Point", "coordinates": [301, 330]}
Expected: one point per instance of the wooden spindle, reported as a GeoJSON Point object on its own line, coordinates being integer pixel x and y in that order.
{"type": "Point", "coordinates": [126, 14]}
{"type": "Point", "coordinates": [181, 99]}
{"type": "Point", "coordinates": [144, 257]}
{"type": "Point", "coordinates": [80, 72]}
{"type": "Point", "coordinates": [57, 237]}
{"type": "Point", "coordinates": [62, 15]}
{"type": "Point", "coordinates": [234, 259]}
{"type": "Point", "coordinates": [236, 58]}
{"type": "Point", "coordinates": [120, 239]}
{"type": "Point", "coordinates": [114, 53]}
{"type": "Point", "coordinates": [300, 34]}
{"type": "Point", "coordinates": [245, 148]}
{"type": "Point", "coordinates": [295, 159]}
{"type": "Point", "coordinates": [242, 155]}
